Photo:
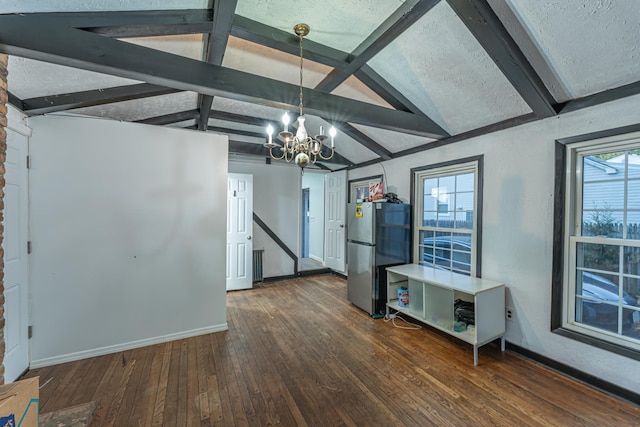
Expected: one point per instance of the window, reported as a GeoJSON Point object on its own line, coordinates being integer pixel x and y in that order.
{"type": "Point", "coordinates": [445, 200]}
{"type": "Point", "coordinates": [601, 275]}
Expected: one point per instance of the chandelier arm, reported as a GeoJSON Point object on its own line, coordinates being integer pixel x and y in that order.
{"type": "Point", "coordinates": [326, 158]}
{"type": "Point", "coordinates": [275, 157]}
{"type": "Point", "coordinates": [288, 157]}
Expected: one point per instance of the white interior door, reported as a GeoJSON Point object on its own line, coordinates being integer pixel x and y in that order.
{"type": "Point", "coordinates": [335, 208]}
{"type": "Point", "coordinates": [239, 231]}
{"type": "Point", "coordinates": [16, 291]}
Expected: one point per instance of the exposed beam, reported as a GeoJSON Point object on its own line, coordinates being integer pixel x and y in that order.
{"type": "Point", "coordinates": [364, 140]}
{"type": "Point", "coordinates": [391, 95]}
{"type": "Point", "coordinates": [261, 150]}
{"type": "Point", "coordinates": [238, 132]}
{"type": "Point", "coordinates": [15, 101]}
{"type": "Point", "coordinates": [494, 127]}
{"type": "Point", "coordinates": [89, 98]}
{"type": "Point", "coordinates": [81, 49]}
{"type": "Point", "coordinates": [223, 13]}
{"type": "Point", "coordinates": [486, 27]}
{"type": "Point", "coordinates": [286, 41]}
{"type": "Point", "coordinates": [145, 23]}
{"type": "Point", "coordinates": [630, 89]}
{"type": "Point", "coordinates": [168, 119]}
{"type": "Point", "coordinates": [405, 16]}
{"type": "Point", "coordinates": [264, 35]}
{"type": "Point", "coordinates": [238, 118]}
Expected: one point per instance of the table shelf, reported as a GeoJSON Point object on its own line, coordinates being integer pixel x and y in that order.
{"type": "Point", "coordinates": [432, 294]}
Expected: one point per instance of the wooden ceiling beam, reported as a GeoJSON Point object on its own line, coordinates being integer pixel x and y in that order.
{"type": "Point", "coordinates": [403, 17]}
{"type": "Point", "coordinates": [90, 98]}
{"type": "Point", "coordinates": [81, 49]}
{"type": "Point", "coordinates": [494, 38]}
{"type": "Point", "coordinates": [216, 45]}
{"type": "Point", "coordinates": [145, 23]}
{"type": "Point", "coordinates": [261, 150]}
{"type": "Point", "coordinates": [286, 41]}
{"type": "Point", "coordinates": [168, 119]}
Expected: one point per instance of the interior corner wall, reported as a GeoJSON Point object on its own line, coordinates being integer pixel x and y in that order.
{"type": "Point", "coordinates": [517, 235]}
{"type": "Point", "coordinates": [129, 235]}
{"type": "Point", "coordinates": [277, 201]}
{"type": "Point", "coordinates": [315, 183]}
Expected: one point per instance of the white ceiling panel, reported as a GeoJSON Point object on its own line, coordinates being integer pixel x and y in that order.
{"type": "Point", "coordinates": [392, 141]}
{"type": "Point", "coordinates": [30, 79]}
{"type": "Point", "coordinates": [337, 23]}
{"type": "Point", "coordinates": [590, 45]}
{"type": "Point", "coordinates": [255, 59]}
{"type": "Point", "coordinates": [345, 145]}
{"type": "Point", "coordinates": [139, 109]}
{"type": "Point", "coordinates": [187, 45]}
{"type": "Point", "coordinates": [33, 6]}
{"type": "Point", "coordinates": [442, 69]}
{"type": "Point", "coordinates": [355, 89]}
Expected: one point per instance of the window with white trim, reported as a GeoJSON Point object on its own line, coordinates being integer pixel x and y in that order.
{"type": "Point", "coordinates": [601, 283]}
{"type": "Point", "coordinates": [445, 216]}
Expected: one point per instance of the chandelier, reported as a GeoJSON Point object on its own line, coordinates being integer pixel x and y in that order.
{"type": "Point", "coordinates": [301, 148]}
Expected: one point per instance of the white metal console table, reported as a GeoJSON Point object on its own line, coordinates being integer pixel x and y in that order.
{"type": "Point", "coordinates": [432, 294]}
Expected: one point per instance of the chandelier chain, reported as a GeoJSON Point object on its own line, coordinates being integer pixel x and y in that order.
{"type": "Point", "coordinates": [301, 64]}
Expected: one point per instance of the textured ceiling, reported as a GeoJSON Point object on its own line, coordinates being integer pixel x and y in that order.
{"type": "Point", "coordinates": [450, 68]}
{"type": "Point", "coordinates": [337, 23]}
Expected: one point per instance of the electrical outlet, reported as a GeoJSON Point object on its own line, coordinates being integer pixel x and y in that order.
{"type": "Point", "coordinates": [510, 314]}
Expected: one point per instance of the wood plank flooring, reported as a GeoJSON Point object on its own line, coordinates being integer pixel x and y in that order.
{"type": "Point", "coordinates": [298, 354]}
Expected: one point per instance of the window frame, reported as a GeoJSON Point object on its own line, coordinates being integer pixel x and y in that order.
{"type": "Point", "coordinates": [567, 232]}
{"type": "Point", "coordinates": [473, 164]}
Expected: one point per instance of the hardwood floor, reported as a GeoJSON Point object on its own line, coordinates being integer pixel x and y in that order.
{"type": "Point", "coordinates": [298, 354]}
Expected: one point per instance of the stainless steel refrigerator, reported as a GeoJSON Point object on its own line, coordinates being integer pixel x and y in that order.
{"type": "Point", "coordinates": [378, 236]}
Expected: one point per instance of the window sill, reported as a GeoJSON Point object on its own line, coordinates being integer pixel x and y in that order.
{"type": "Point", "coordinates": [599, 343]}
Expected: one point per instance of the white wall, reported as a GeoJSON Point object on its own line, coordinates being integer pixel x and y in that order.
{"type": "Point", "coordinates": [128, 224]}
{"type": "Point", "coordinates": [277, 201]}
{"type": "Point", "coordinates": [518, 225]}
{"type": "Point", "coordinates": [315, 183]}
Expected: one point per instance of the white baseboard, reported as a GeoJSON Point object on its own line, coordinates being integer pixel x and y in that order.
{"type": "Point", "coordinates": [71, 357]}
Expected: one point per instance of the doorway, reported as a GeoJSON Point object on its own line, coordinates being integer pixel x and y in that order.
{"type": "Point", "coordinates": [311, 222]}
{"type": "Point", "coordinates": [305, 223]}
{"type": "Point", "coordinates": [239, 231]}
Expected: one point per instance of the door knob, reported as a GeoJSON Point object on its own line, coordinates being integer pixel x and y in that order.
{"type": "Point", "coordinates": [248, 237]}
{"type": "Point", "coordinates": [341, 225]}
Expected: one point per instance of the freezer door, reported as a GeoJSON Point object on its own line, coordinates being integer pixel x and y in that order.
{"type": "Point", "coordinates": [361, 277]}
{"type": "Point", "coordinates": [360, 225]}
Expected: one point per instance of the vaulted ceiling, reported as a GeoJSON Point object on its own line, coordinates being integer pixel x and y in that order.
{"type": "Point", "coordinates": [394, 77]}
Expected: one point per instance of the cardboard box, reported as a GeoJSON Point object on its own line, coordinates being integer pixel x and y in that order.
{"type": "Point", "coordinates": [20, 403]}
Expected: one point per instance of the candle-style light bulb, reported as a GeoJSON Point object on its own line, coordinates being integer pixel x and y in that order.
{"type": "Point", "coordinates": [332, 133]}
{"type": "Point", "coordinates": [286, 120]}
{"type": "Point", "coordinates": [270, 132]}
